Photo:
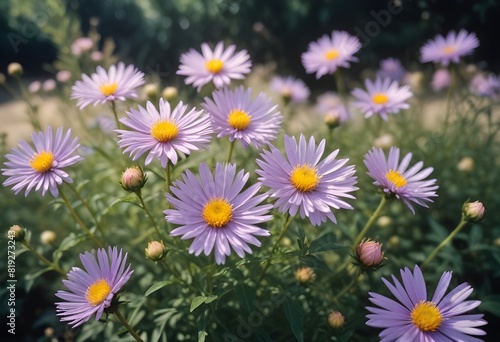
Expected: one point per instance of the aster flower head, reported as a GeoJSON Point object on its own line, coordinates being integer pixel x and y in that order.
{"type": "Point", "coordinates": [302, 183]}
{"type": "Point", "coordinates": [331, 106]}
{"type": "Point", "coordinates": [235, 114]}
{"type": "Point", "coordinates": [41, 167]}
{"type": "Point", "coordinates": [327, 54]}
{"type": "Point", "coordinates": [92, 290]}
{"type": "Point", "coordinates": [118, 83]}
{"type": "Point", "coordinates": [382, 97]}
{"type": "Point", "coordinates": [395, 178]}
{"type": "Point", "coordinates": [391, 68]}
{"type": "Point", "coordinates": [449, 49]}
{"type": "Point", "coordinates": [218, 66]}
{"type": "Point", "coordinates": [485, 85]}
{"type": "Point", "coordinates": [216, 213]}
{"type": "Point", "coordinates": [164, 133]}
{"type": "Point", "coordinates": [413, 317]}
{"type": "Point", "coordinates": [290, 89]}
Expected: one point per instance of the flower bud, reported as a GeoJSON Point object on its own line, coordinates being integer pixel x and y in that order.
{"type": "Point", "coordinates": [305, 275]}
{"type": "Point", "coordinates": [34, 87]}
{"type": "Point", "coordinates": [133, 179]}
{"type": "Point", "coordinates": [155, 250]}
{"type": "Point", "coordinates": [466, 164]}
{"type": "Point", "coordinates": [384, 141]}
{"type": "Point", "coordinates": [332, 118]}
{"type": "Point", "coordinates": [15, 69]}
{"type": "Point", "coordinates": [49, 85]}
{"type": "Point", "coordinates": [473, 211]}
{"type": "Point", "coordinates": [370, 253]}
{"type": "Point", "coordinates": [336, 320]}
{"type": "Point", "coordinates": [63, 76]}
{"type": "Point", "coordinates": [96, 56]}
{"type": "Point", "coordinates": [48, 237]}
{"type": "Point", "coordinates": [384, 221]}
{"type": "Point", "coordinates": [169, 93]}
{"type": "Point", "coordinates": [151, 90]}
{"type": "Point", "coordinates": [17, 233]}
{"type": "Point", "coordinates": [394, 242]}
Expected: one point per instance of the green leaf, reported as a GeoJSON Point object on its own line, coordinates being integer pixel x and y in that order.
{"type": "Point", "coordinates": [70, 241]}
{"type": "Point", "coordinates": [210, 299]}
{"type": "Point", "coordinates": [491, 304]}
{"type": "Point", "coordinates": [246, 296]}
{"type": "Point", "coordinates": [325, 242]}
{"type": "Point", "coordinates": [157, 286]}
{"type": "Point", "coordinates": [30, 277]}
{"type": "Point", "coordinates": [315, 262]}
{"type": "Point", "coordinates": [295, 317]}
{"type": "Point", "coordinates": [202, 335]}
{"type": "Point", "coordinates": [197, 301]}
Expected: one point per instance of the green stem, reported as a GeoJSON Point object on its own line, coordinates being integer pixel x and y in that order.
{"type": "Point", "coordinates": [370, 222]}
{"type": "Point", "coordinates": [210, 275]}
{"type": "Point", "coordinates": [444, 242]}
{"type": "Point", "coordinates": [177, 275]}
{"type": "Point", "coordinates": [85, 203]}
{"type": "Point", "coordinates": [145, 208]}
{"type": "Point", "coordinates": [450, 95]}
{"type": "Point", "coordinates": [113, 108]}
{"type": "Point", "coordinates": [230, 154]}
{"type": "Point", "coordinates": [32, 109]}
{"type": "Point", "coordinates": [169, 176]}
{"type": "Point", "coordinates": [52, 265]}
{"type": "Point", "coordinates": [347, 288]}
{"type": "Point", "coordinates": [339, 84]}
{"type": "Point", "coordinates": [127, 326]}
{"type": "Point", "coordinates": [77, 218]}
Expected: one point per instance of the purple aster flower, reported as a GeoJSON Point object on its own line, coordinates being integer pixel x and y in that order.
{"type": "Point", "coordinates": [415, 318]}
{"type": "Point", "coordinates": [382, 97]}
{"type": "Point", "coordinates": [290, 88]}
{"type": "Point", "coordinates": [396, 179]}
{"type": "Point", "coordinates": [450, 49]}
{"type": "Point", "coordinates": [327, 54]}
{"type": "Point", "coordinates": [218, 66]}
{"type": "Point", "coordinates": [485, 85]}
{"type": "Point", "coordinates": [392, 68]}
{"type": "Point", "coordinates": [164, 133]}
{"type": "Point", "coordinates": [441, 79]}
{"type": "Point", "coordinates": [235, 114]}
{"type": "Point", "coordinates": [41, 167]}
{"type": "Point", "coordinates": [216, 213]}
{"type": "Point", "coordinates": [118, 83]}
{"type": "Point", "coordinates": [331, 106]}
{"type": "Point", "coordinates": [302, 183]}
{"type": "Point", "coordinates": [92, 290]}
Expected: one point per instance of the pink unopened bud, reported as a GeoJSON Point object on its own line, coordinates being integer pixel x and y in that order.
{"type": "Point", "coordinates": [49, 85]}
{"type": "Point", "coordinates": [305, 275]}
{"type": "Point", "coordinates": [370, 253]}
{"type": "Point", "coordinates": [336, 320]}
{"type": "Point", "coordinates": [63, 76]}
{"type": "Point", "coordinates": [96, 56]}
{"type": "Point", "coordinates": [473, 211]}
{"type": "Point", "coordinates": [133, 179]}
{"type": "Point", "coordinates": [81, 45]}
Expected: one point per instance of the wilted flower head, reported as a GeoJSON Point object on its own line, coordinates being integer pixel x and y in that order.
{"type": "Point", "coordinates": [473, 211]}
{"type": "Point", "coordinates": [290, 89]}
{"type": "Point", "coordinates": [391, 68]}
{"type": "Point", "coordinates": [441, 79]}
{"type": "Point", "coordinates": [93, 290]}
{"type": "Point", "coordinates": [485, 85]}
{"type": "Point", "coordinates": [218, 66]}
{"type": "Point", "coordinates": [336, 320]}
{"type": "Point", "coordinates": [327, 54]}
{"type": "Point", "coordinates": [118, 83]}
{"type": "Point", "coordinates": [41, 167]}
{"type": "Point", "coordinates": [415, 318]}
{"type": "Point", "coordinates": [449, 49]}
{"type": "Point", "coordinates": [369, 253]}
{"type": "Point", "coordinates": [304, 275]}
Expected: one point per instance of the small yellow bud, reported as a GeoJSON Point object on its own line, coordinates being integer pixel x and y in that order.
{"type": "Point", "coordinates": [155, 251]}
{"type": "Point", "coordinates": [305, 275]}
{"type": "Point", "coordinates": [336, 320]}
{"type": "Point", "coordinates": [15, 69]}
{"type": "Point", "coordinates": [170, 93]}
{"type": "Point", "coordinates": [48, 237]}
{"type": "Point", "coordinates": [16, 233]}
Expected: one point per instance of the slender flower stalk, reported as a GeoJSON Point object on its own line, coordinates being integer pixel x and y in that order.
{"type": "Point", "coordinates": [370, 222]}
{"type": "Point", "coordinates": [443, 243]}
{"type": "Point", "coordinates": [125, 323]}
{"type": "Point", "coordinates": [115, 114]}
{"type": "Point", "coordinates": [230, 153]}
{"type": "Point", "coordinates": [86, 205]}
{"type": "Point", "coordinates": [49, 263]}
{"type": "Point", "coordinates": [349, 286]}
{"type": "Point", "coordinates": [145, 208]}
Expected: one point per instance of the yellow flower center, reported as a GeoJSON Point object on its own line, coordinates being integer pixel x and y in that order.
{"type": "Point", "coordinates": [217, 212]}
{"type": "Point", "coordinates": [239, 119]}
{"type": "Point", "coordinates": [214, 65]}
{"type": "Point", "coordinates": [304, 178]}
{"type": "Point", "coordinates": [426, 316]}
{"type": "Point", "coordinates": [42, 162]}
{"type": "Point", "coordinates": [108, 88]}
{"type": "Point", "coordinates": [164, 131]}
{"type": "Point", "coordinates": [448, 49]}
{"type": "Point", "coordinates": [395, 178]}
{"type": "Point", "coordinates": [332, 54]}
{"type": "Point", "coordinates": [379, 98]}
{"type": "Point", "coordinates": [98, 292]}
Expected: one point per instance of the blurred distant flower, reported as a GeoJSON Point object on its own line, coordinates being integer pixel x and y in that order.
{"type": "Point", "coordinates": [384, 141]}
{"type": "Point", "coordinates": [218, 66]}
{"type": "Point", "coordinates": [304, 275]}
{"type": "Point", "coordinates": [164, 133]}
{"type": "Point", "coordinates": [15, 69]}
{"type": "Point", "coordinates": [96, 56]}
{"type": "Point", "coordinates": [415, 318]}
{"type": "Point", "coordinates": [49, 85]}
{"type": "Point", "coordinates": [42, 167]}
{"type": "Point", "coordinates": [382, 97]}
{"type": "Point", "coordinates": [152, 90]}
{"type": "Point", "coordinates": [91, 291]}
{"type": "Point", "coordinates": [303, 183]}
{"type": "Point", "coordinates": [441, 79]}
{"type": "Point", "coordinates": [216, 213]}
{"type": "Point", "coordinates": [34, 87]}
{"type": "Point", "coordinates": [485, 85]}
{"type": "Point", "coordinates": [48, 237]}
{"type": "Point", "coordinates": [414, 80]}
{"type": "Point", "coordinates": [63, 76]}
{"type": "Point", "coordinates": [450, 49]}
{"type": "Point", "coordinates": [235, 114]}
{"type": "Point", "coordinates": [290, 88]}
{"type": "Point", "coordinates": [81, 45]}
{"type": "Point", "coordinates": [391, 68]}
{"type": "Point", "coordinates": [396, 179]}
{"type": "Point", "coordinates": [119, 83]}
{"type": "Point", "coordinates": [104, 123]}
{"type": "Point", "coordinates": [465, 164]}
{"type": "Point", "coordinates": [331, 106]}
{"type": "Point", "coordinates": [327, 54]}
{"type": "Point", "coordinates": [170, 93]}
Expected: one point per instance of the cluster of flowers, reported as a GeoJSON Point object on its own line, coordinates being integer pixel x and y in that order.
{"type": "Point", "coordinates": [215, 211]}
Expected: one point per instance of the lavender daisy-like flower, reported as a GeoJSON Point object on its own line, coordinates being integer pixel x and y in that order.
{"type": "Point", "coordinates": [415, 318]}
{"type": "Point", "coordinates": [164, 133]}
{"type": "Point", "coordinates": [92, 290]}
{"type": "Point", "coordinates": [218, 66]}
{"type": "Point", "coordinates": [216, 213]}
{"type": "Point", "coordinates": [450, 49]}
{"type": "Point", "coordinates": [118, 83]}
{"type": "Point", "coordinates": [302, 183]}
{"type": "Point", "coordinates": [41, 167]}
{"type": "Point", "coordinates": [382, 97]}
{"type": "Point", "coordinates": [290, 89]}
{"type": "Point", "coordinates": [236, 115]}
{"type": "Point", "coordinates": [396, 179]}
{"type": "Point", "coordinates": [485, 85]}
{"type": "Point", "coordinates": [391, 68]}
{"type": "Point", "coordinates": [327, 54]}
